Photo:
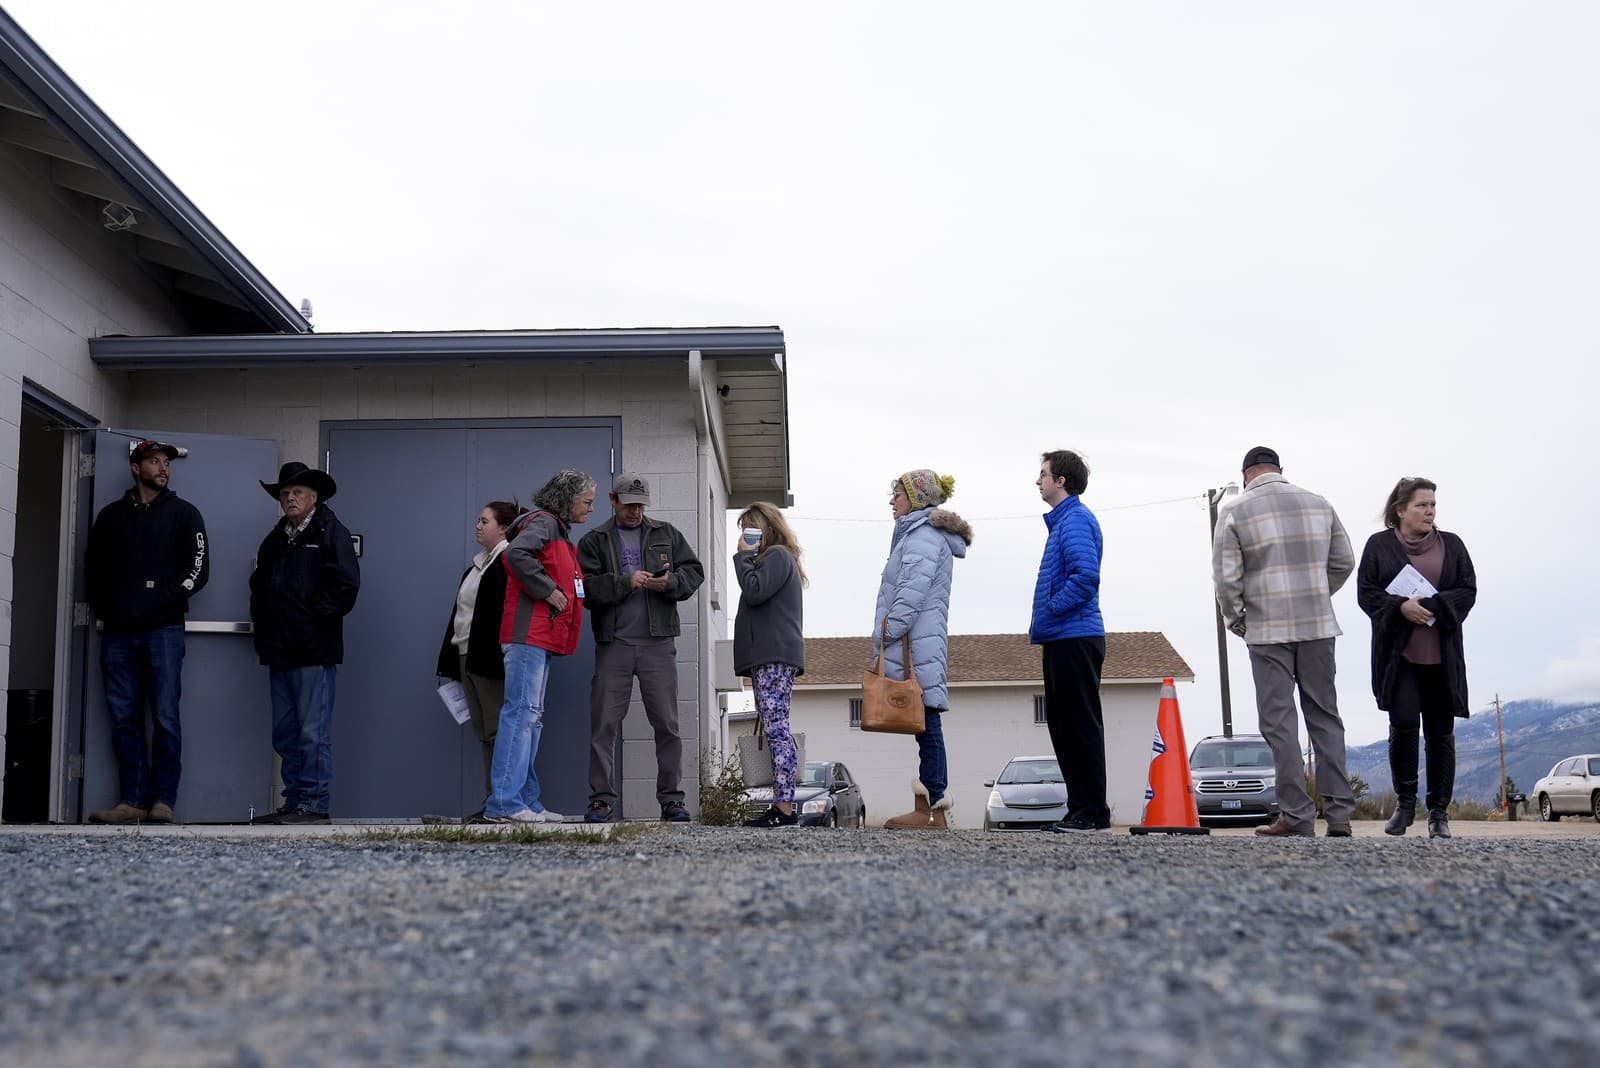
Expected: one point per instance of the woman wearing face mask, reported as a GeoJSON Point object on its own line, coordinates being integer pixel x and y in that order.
{"type": "Point", "coordinates": [769, 646]}
{"type": "Point", "coordinates": [914, 599]}
{"type": "Point", "coordinates": [470, 653]}
{"type": "Point", "coordinates": [1419, 672]}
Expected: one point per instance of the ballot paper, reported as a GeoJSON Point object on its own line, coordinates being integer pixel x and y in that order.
{"type": "Point", "coordinates": [1410, 583]}
{"type": "Point", "coordinates": [455, 700]}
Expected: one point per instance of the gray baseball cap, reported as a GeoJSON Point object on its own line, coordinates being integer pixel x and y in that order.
{"type": "Point", "coordinates": [629, 488]}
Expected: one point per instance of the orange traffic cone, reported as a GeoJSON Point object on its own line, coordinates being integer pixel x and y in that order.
{"type": "Point", "coordinates": [1169, 806]}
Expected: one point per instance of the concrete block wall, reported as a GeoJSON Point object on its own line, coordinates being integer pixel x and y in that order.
{"type": "Point", "coordinates": [985, 727]}
{"type": "Point", "coordinates": [63, 280]}
{"type": "Point", "coordinates": [658, 441]}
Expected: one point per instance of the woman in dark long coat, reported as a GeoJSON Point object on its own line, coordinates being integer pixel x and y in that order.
{"type": "Point", "coordinates": [1419, 671]}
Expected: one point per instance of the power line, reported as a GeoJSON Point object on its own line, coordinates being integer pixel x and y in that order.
{"type": "Point", "coordinates": [1032, 517]}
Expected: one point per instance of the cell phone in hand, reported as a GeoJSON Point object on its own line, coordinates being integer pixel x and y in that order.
{"type": "Point", "coordinates": [658, 574]}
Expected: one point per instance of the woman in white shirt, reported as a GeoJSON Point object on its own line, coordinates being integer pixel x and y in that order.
{"type": "Point", "coordinates": [470, 653]}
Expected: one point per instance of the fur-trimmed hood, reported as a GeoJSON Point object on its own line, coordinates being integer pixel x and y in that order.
{"type": "Point", "coordinates": [947, 521]}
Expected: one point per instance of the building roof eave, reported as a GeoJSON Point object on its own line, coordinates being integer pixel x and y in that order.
{"type": "Point", "coordinates": [249, 351]}
{"type": "Point", "coordinates": [70, 110]}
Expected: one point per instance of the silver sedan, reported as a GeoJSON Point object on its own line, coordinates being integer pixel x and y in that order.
{"type": "Point", "coordinates": [1571, 789]}
{"type": "Point", "coordinates": [1028, 795]}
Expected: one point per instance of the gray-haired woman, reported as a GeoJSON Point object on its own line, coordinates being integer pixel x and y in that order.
{"type": "Point", "coordinates": [542, 617]}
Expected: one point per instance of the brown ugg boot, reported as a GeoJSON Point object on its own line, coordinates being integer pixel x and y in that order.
{"type": "Point", "coordinates": [924, 817]}
{"type": "Point", "coordinates": [918, 816]}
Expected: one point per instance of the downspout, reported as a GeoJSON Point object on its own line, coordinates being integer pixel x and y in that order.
{"type": "Point", "coordinates": [706, 542]}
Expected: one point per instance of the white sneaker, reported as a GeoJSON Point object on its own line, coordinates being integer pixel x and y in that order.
{"type": "Point", "coordinates": [526, 815]}
{"type": "Point", "coordinates": [546, 816]}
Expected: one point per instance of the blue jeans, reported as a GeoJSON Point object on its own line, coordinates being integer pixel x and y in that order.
{"type": "Point", "coordinates": [513, 784]}
{"type": "Point", "coordinates": [302, 734]}
{"type": "Point", "coordinates": [931, 766]}
{"type": "Point", "coordinates": [140, 668]}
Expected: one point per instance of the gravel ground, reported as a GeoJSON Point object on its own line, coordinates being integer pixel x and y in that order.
{"type": "Point", "coordinates": [696, 946]}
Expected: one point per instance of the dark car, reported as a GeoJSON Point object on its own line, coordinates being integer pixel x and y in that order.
{"type": "Point", "coordinates": [824, 795]}
{"type": "Point", "coordinates": [1235, 781]}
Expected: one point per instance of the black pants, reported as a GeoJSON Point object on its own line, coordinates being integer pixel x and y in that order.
{"type": "Point", "coordinates": [1077, 728]}
{"type": "Point", "coordinates": [1422, 699]}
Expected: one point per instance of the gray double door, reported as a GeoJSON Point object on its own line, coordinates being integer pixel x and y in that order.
{"type": "Point", "coordinates": [410, 491]}
{"type": "Point", "coordinates": [224, 708]}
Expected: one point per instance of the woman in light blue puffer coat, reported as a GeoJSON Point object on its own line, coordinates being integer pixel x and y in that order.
{"type": "Point", "coordinates": [914, 595]}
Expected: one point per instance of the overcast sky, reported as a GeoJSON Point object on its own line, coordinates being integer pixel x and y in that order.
{"type": "Point", "coordinates": [1363, 234]}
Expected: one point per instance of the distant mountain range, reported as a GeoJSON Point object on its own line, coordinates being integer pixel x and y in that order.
{"type": "Point", "coordinates": [1537, 734]}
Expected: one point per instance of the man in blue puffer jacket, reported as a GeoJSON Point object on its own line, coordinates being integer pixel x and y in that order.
{"type": "Point", "coordinates": [1066, 622]}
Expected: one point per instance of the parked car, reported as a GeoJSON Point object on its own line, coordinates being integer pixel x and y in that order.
{"type": "Point", "coordinates": [824, 795]}
{"type": "Point", "coordinates": [1029, 794]}
{"type": "Point", "coordinates": [1571, 789]}
{"type": "Point", "coordinates": [1234, 781]}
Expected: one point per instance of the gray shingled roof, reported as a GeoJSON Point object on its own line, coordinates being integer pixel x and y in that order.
{"type": "Point", "coordinates": [1141, 654]}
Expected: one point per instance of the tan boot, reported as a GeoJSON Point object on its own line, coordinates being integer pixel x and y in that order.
{"type": "Point", "coordinates": [923, 817]}
{"type": "Point", "coordinates": [918, 816]}
{"type": "Point", "coordinates": [123, 813]}
{"type": "Point", "coordinates": [161, 812]}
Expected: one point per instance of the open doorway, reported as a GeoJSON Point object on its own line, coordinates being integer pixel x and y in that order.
{"type": "Point", "coordinates": [36, 615]}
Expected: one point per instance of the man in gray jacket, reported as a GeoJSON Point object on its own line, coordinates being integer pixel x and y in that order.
{"type": "Point", "coordinates": [635, 571]}
{"type": "Point", "coordinates": [1278, 556]}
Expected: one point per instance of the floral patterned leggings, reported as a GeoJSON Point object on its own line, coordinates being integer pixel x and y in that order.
{"type": "Point", "coordinates": [774, 684]}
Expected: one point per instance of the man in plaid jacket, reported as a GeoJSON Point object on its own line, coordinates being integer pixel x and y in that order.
{"type": "Point", "coordinates": [1278, 556]}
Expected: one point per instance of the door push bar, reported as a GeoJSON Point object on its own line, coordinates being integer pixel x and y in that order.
{"type": "Point", "coordinates": [205, 626]}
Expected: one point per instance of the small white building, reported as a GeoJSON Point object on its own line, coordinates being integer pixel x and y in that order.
{"type": "Point", "coordinates": [125, 313]}
{"type": "Point", "coordinates": [996, 713]}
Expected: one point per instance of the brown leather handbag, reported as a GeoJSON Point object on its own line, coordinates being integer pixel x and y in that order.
{"type": "Point", "coordinates": [888, 705]}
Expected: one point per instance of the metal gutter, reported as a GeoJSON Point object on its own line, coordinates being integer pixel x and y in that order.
{"type": "Point", "coordinates": [240, 351]}
{"type": "Point", "coordinates": [93, 131]}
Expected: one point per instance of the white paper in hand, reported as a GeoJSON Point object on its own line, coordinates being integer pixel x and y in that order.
{"type": "Point", "coordinates": [1411, 583]}
{"type": "Point", "coordinates": [455, 701]}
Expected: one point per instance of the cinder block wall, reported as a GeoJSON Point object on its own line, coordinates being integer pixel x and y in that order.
{"type": "Point", "coordinates": [63, 280]}
{"type": "Point", "coordinates": [658, 441]}
{"type": "Point", "coordinates": [985, 727]}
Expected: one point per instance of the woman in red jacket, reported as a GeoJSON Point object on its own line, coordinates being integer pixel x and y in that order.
{"type": "Point", "coordinates": [542, 616]}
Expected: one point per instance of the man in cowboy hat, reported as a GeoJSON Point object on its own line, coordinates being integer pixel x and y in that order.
{"type": "Point", "coordinates": [305, 583]}
{"type": "Point", "coordinates": [147, 557]}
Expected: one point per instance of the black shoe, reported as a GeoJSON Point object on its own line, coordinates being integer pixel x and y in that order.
{"type": "Point", "coordinates": [1404, 813]}
{"type": "Point", "coordinates": [773, 817]}
{"type": "Point", "coordinates": [476, 817]}
{"type": "Point", "coordinates": [1338, 830]}
{"type": "Point", "coordinates": [599, 812]}
{"type": "Point", "coordinates": [1078, 825]}
{"type": "Point", "coordinates": [273, 817]}
{"type": "Point", "coordinates": [302, 815]}
{"type": "Point", "coordinates": [674, 812]}
{"type": "Point", "coordinates": [1438, 825]}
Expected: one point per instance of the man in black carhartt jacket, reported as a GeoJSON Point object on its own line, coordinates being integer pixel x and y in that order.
{"type": "Point", "coordinates": [305, 582]}
{"type": "Point", "coordinates": [635, 571]}
{"type": "Point", "coordinates": [147, 556]}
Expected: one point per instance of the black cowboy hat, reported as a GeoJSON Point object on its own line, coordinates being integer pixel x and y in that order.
{"type": "Point", "coordinates": [295, 473]}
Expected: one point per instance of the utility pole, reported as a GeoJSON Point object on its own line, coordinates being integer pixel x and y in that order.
{"type": "Point", "coordinates": [1505, 800]}
{"type": "Point", "coordinates": [1213, 496]}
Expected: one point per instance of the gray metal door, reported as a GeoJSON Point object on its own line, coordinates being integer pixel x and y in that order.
{"type": "Point", "coordinates": [225, 708]}
{"type": "Point", "coordinates": [411, 491]}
